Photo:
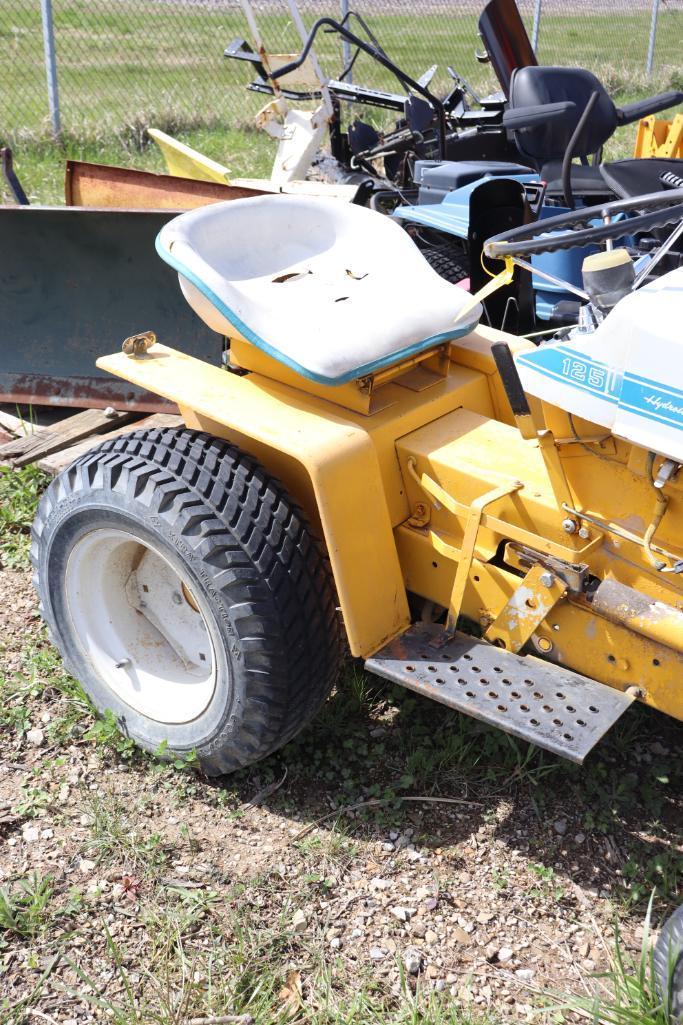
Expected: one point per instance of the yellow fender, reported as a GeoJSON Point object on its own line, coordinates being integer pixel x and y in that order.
{"type": "Point", "coordinates": [327, 462]}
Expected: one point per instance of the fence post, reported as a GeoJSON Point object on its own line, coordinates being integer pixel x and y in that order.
{"type": "Point", "coordinates": [346, 45]}
{"type": "Point", "coordinates": [653, 38]}
{"type": "Point", "coordinates": [51, 66]}
{"type": "Point", "coordinates": [536, 26]}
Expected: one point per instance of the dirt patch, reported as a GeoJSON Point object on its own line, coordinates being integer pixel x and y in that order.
{"type": "Point", "coordinates": [393, 853]}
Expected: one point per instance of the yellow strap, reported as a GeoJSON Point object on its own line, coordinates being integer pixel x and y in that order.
{"type": "Point", "coordinates": [499, 281]}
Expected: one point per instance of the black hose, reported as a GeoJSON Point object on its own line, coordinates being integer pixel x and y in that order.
{"type": "Point", "coordinates": [569, 152]}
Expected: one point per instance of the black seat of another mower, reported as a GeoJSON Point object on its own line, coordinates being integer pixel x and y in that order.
{"type": "Point", "coordinates": [639, 177]}
{"type": "Point", "coordinates": [546, 145]}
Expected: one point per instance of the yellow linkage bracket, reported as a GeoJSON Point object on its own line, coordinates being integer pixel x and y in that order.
{"type": "Point", "coordinates": [469, 541]}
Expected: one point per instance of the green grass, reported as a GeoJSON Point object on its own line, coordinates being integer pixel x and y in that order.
{"type": "Point", "coordinates": [626, 994]}
{"type": "Point", "coordinates": [19, 490]}
{"type": "Point", "coordinates": [131, 64]}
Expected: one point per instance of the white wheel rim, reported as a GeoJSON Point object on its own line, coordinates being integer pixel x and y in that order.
{"type": "Point", "coordinates": [143, 629]}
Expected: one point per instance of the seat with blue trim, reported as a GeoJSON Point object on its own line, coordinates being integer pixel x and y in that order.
{"type": "Point", "coordinates": [332, 290]}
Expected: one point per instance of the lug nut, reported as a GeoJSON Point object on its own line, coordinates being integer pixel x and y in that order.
{"type": "Point", "coordinates": [546, 579]}
{"type": "Point", "coordinates": [584, 533]}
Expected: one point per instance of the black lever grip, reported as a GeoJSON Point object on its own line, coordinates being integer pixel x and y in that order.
{"type": "Point", "coordinates": [509, 375]}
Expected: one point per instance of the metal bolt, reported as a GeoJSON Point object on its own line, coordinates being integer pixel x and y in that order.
{"type": "Point", "coordinates": [569, 526]}
{"type": "Point", "coordinates": [122, 663]}
{"type": "Point", "coordinates": [547, 579]}
{"type": "Point", "coordinates": [584, 533]}
{"type": "Point", "coordinates": [177, 598]}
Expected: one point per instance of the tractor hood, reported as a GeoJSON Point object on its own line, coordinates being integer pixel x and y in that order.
{"type": "Point", "coordinates": [627, 375]}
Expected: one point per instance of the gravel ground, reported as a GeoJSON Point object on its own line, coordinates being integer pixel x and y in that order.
{"type": "Point", "coordinates": [476, 874]}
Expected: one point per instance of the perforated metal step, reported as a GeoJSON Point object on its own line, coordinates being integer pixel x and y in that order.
{"type": "Point", "coordinates": [553, 707]}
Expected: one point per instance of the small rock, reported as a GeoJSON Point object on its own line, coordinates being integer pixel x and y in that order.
{"type": "Point", "coordinates": [484, 917]}
{"type": "Point", "coordinates": [432, 971]}
{"type": "Point", "coordinates": [377, 954]}
{"type": "Point", "coordinates": [85, 865]}
{"type": "Point", "coordinates": [380, 884]}
{"type": "Point", "coordinates": [505, 954]}
{"type": "Point", "coordinates": [525, 974]}
{"type": "Point", "coordinates": [35, 737]}
{"type": "Point", "coordinates": [387, 846]}
{"type": "Point", "coordinates": [560, 826]}
{"type": "Point", "coordinates": [431, 937]}
{"type": "Point", "coordinates": [393, 835]}
{"type": "Point", "coordinates": [460, 936]}
{"type": "Point", "coordinates": [579, 838]}
{"type": "Point", "coordinates": [403, 914]}
{"type": "Point", "coordinates": [356, 934]}
{"type": "Point", "coordinates": [412, 961]}
{"type": "Point", "coordinates": [86, 820]}
{"type": "Point", "coordinates": [30, 834]}
{"type": "Point", "coordinates": [418, 929]}
{"type": "Point", "coordinates": [440, 985]}
{"type": "Point", "coordinates": [299, 921]}
{"type": "Point", "coordinates": [335, 943]}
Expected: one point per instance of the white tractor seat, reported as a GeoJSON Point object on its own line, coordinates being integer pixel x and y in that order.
{"type": "Point", "coordinates": [332, 290]}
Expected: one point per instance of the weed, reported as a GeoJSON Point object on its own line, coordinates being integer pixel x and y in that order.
{"type": "Point", "coordinates": [627, 994]}
{"type": "Point", "coordinates": [106, 731]}
{"type": "Point", "coordinates": [548, 885]}
{"type": "Point", "coordinates": [19, 493]}
{"type": "Point", "coordinates": [23, 910]}
{"type": "Point", "coordinates": [113, 840]}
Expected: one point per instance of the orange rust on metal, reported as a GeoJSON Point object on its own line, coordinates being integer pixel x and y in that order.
{"type": "Point", "coordinates": [79, 392]}
{"type": "Point", "coordinates": [124, 188]}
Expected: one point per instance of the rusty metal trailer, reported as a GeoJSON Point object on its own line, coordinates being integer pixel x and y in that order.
{"type": "Point", "coordinates": [76, 280]}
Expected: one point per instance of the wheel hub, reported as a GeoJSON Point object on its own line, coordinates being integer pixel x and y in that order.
{"type": "Point", "coordinates": [141, 625]}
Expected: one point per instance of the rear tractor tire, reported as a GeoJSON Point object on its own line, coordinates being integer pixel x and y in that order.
{"type": "Point", "coordinates": [185, 591]}
{"type": "Point", "coordinates": [450, 262]}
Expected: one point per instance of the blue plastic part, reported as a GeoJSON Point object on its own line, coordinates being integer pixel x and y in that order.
{"type": "Point", "coordinates": [452, 214]}
{"type": "Point", "coordinates": [260, 343]}
{"type": "Point", "coordinates": [660, 403]}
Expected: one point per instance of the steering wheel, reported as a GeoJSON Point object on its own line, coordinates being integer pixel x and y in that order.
{"type": "Point", "coordinates": [574, 229]}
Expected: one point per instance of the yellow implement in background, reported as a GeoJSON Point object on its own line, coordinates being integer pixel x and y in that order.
{"type": "Point", "coordinates": [184, 162]}
{"type": "Point", "coordinates": [658, 137]}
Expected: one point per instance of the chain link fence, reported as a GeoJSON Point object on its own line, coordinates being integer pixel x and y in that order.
{"type": "Point", "coordinates": [134, 62]}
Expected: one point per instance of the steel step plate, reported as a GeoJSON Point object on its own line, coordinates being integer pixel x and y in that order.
{"type": "Point", "coordinates": [552, 707]}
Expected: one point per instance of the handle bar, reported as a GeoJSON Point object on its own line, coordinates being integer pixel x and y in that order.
{"type": "Point", "coordinates": [381, 58]}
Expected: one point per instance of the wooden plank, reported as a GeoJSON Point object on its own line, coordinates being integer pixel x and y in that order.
{"type": "Point", "coordinates": [62, 435]}
{"type": "Point", "coordinates": [15, 425]}
{"type": "Point", "coordinates": [58, 461]}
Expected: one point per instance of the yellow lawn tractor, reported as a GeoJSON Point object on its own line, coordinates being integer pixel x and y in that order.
{"type": "Point", "coordinates": [490, 523]}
